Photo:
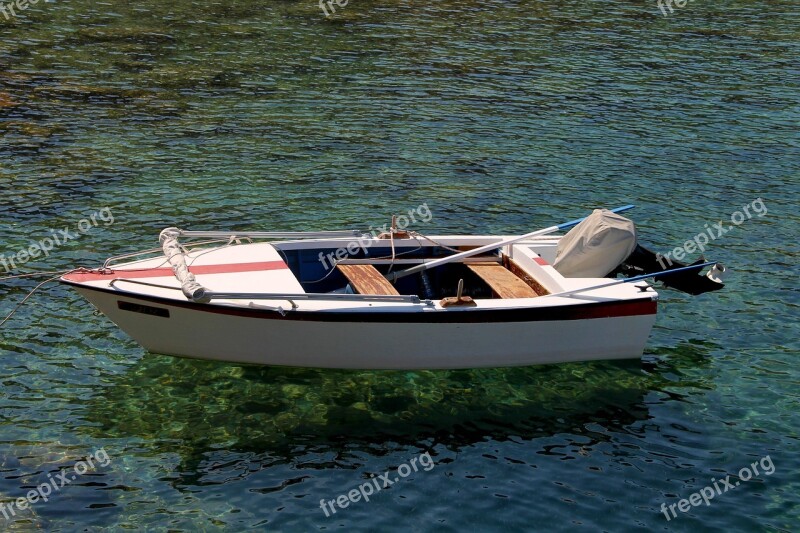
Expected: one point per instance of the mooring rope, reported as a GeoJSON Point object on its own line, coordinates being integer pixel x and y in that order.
{"type": "Point", "coordinates": [39, 286]}
{"type": "Point", "coordinates": [34, 274]}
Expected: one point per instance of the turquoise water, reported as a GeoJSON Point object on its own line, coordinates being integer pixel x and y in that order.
{"type": "Point", "coordinates": [502, 117]}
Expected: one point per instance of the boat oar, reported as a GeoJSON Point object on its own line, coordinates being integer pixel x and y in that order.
{"type": "Point", "coordinates": [492, 246]}
{"type": "Point", "coordinates": [662, 274]}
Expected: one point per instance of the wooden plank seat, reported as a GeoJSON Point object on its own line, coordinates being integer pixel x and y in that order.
{"type": "Point", "coordinates": [502, 281]}
{"type": "Point", "coordinates": [365, 279]}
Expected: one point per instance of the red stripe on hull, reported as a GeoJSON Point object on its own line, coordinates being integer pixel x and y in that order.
{"type": "Point", "coordinates": [229, 268]}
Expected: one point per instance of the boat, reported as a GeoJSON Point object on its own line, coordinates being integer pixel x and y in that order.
{"type": "Point", "coordinates": [397, 300]}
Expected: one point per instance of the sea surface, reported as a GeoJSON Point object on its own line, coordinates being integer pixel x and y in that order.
{"type": "Point", "coordinates": [501, 116]}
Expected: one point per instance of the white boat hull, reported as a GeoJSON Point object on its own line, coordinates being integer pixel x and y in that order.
{"type": "Point", "coordinates": [409, 340]}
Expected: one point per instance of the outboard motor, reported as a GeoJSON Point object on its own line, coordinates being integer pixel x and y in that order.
{"type": "Point", "coordinates": [596, 246]}
{"type": "Point", "coordinates": [645, 261]}
{"type": "Point", "coordinates": [605, 244]}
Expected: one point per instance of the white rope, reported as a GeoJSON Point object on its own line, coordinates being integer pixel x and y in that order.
{"type": "Point", "coordinates": [394, 255]}
{"type": "Point", "coordinates": [16, 308]}
{"type": "Point", "coordinates": [416, 233]}
{"type": "Point", "coordinates": [172, 249]}
{"type": "Point", "coordinates": [34, 274]}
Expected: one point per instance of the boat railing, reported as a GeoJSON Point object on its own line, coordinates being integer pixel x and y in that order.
{"type": "Point", "coordinates": [267, 234]}
{"type": "Point", "coordinates": [231, 237]}
{"type": "Point", "coordinates": [176, 256]}
{"type": "Point", "coordinates": [389, 261]}
{"type": "Point", "coordinates": [111, 260]}
{"type": "Point", "coordinates": [314, 296]}
{"type": "Point", "coordinates": [290, 297]}
{"type": "Point", "coordinates": [108, 262]}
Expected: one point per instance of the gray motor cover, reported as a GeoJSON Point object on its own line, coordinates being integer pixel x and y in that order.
{"type": "Point", "coordinates": [596, 246]}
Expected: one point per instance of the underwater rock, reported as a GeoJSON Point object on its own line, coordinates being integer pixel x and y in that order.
{"type": "Point", "coordinates": [225, 79]}
{"type": "Point", "coordinates": [7, 101]}
{"type": "Point", "coordinates": [132, 66]}
{"type": "Point", "coordinates": [15, 78]}
{"type": "Point", "coordinates": [29, 129]}
{"type": "Point", "coordinates": [88, 92]}
{"type": "Point", "coordinates": [286, 422]}
{"type": "Point", "coordinates": [108, 35]}
{"type": "Point", "coordinates": [26, 520]}
{"type": "Point", "coordinates": [292, 391]}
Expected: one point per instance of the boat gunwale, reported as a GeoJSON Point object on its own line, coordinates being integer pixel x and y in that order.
{"type": "Point", "coordinates": [417, 313]}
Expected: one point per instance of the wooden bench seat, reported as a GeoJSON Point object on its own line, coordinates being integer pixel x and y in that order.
{"type": "Point", "coordinates": [502, 281]}
{"type": "Point", "coordinates": [365, 279]}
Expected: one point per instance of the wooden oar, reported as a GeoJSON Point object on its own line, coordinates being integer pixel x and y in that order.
{"type": "Point", "coordinates": [662, 274]}
{"type": "Point", "coordinates": [492, 246]}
